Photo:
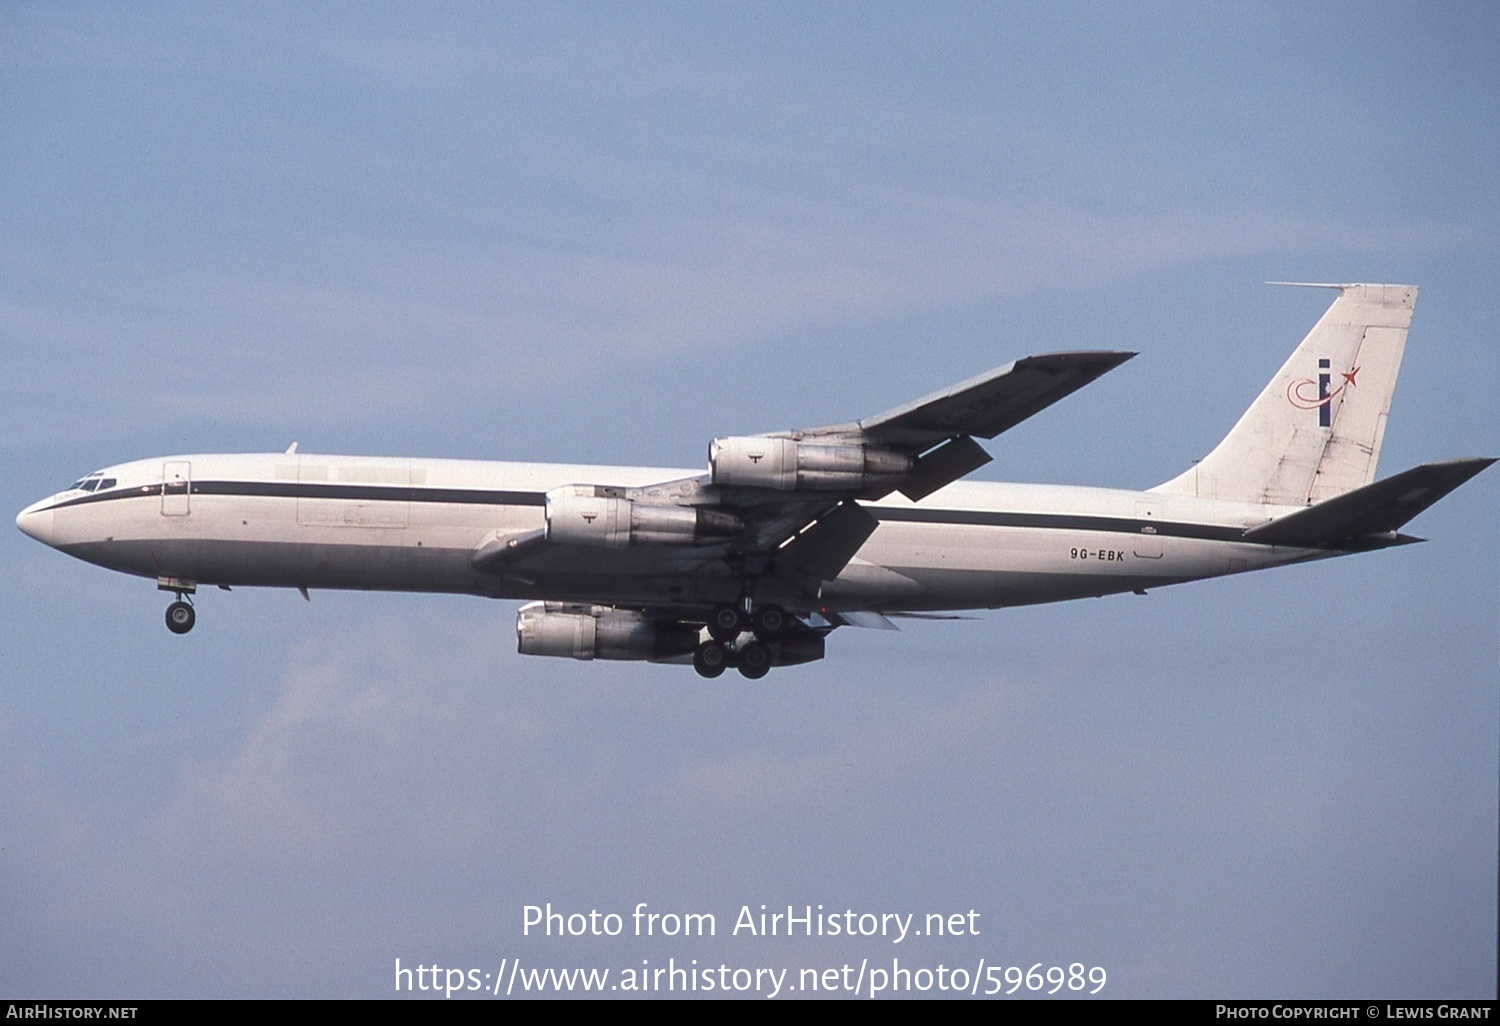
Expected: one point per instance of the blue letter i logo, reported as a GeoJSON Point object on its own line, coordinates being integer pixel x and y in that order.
{"type": "Point", "coordinates": [1323, 404]}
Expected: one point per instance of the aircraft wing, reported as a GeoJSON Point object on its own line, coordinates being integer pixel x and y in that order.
{"type": "Point", "coordinates": [938, 430]}
{"type": "Point", "coordinates": [786, 503]}
{"type": "Point", "coordinates": [983, 406]}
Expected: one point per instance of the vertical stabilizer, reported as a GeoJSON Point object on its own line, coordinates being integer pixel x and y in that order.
{"type": "Point", "coordinates": [1315, 430]}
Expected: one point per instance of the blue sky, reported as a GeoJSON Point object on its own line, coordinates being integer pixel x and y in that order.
{"type": "Point", "coordinates": [610, 233]}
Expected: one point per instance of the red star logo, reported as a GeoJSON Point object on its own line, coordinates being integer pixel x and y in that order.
{"type": "Point", "coordinates": [1349, 377]}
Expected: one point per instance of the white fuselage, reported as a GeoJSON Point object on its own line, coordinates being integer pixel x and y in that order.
{"type": "Point", "coordinates": [397, 524]}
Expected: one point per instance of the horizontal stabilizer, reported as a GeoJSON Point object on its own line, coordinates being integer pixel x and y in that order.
{"type": "Point", "coordinates": [1380, 508]}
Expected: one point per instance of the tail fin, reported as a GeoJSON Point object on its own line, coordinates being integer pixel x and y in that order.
{"type": "Point", "coordinates": [1315, 430]}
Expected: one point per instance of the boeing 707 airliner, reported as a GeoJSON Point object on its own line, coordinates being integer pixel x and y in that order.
{"type": "Point", "coordinates": [792, 534]}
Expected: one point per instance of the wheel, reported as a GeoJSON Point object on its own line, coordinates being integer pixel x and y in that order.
{"type": "Point", "coordinates": [755, 660]}
{"type": "Point", "coordinates": [711, 659]}
{"type": "Point", "coordinates": [770, 623]}
{"type": "Point", "coordinates": [726, 623]}
{"type": "Point", "coordinates": [180, 617]}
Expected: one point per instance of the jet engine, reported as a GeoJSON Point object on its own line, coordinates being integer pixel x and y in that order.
{"type": "Point", "coordinates": [599, 632]}
{"type": "Point", "coordinates": [594, 515]}
{"type": "Point", "coordinates": [787, 464]}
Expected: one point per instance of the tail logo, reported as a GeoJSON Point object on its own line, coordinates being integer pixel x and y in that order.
{"type": "Point", "coordinates": [1308, 394]}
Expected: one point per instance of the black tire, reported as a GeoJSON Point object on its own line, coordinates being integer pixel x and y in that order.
{"type": "Point", "coordinates": [711, 659]}
{"type": "Point", "coordinates": [755, 660]}
{"type": "Point", "coordinates": [771, 623]}
{"type": "Point", "coordinates": [726, 623]}
{"type": "Point", "coordinates": [180, 617]}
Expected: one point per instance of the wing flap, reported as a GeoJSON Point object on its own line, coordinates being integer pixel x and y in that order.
{"type": "Point", "coordinates": [866, 618]}
{"type": "Point", "coordinates": [826, 547]}
{"type": "Point", "coordinates": [944, 465]}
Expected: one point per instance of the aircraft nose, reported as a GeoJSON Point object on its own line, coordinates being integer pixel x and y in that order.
{"type": "Point", "coordinates": [36, 522]}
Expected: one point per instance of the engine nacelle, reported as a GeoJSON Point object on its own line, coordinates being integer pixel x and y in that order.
{"type": "Point", "coordinates": [592, 515]}
{"type": "Point", "coordinates": [599, 632]}
{"type": "Point", "coordinates": [787, 464]}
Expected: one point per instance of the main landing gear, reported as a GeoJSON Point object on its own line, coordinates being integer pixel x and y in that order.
{"type": "Point", "coordinates": [754, 657]}
{"type": "Point", "coordinates": [711, 659]}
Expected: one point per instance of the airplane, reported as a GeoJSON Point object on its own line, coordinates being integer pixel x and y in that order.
{"type": "Point", "coordinates": [791, 534]}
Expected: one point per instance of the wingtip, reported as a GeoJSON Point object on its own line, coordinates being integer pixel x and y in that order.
{"type": "Point", "coordinates": [1112, 357]}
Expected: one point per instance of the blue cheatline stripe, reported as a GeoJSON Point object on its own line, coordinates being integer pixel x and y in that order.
{"type": "Point", "coordinates": [317, 490]}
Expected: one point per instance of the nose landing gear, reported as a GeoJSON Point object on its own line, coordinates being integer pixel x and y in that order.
{"type": "Point", "coordinates": [180, 617]}
{"type": "Point", "coordinates": [180, 614]}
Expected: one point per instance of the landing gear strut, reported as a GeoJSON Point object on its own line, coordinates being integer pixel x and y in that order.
{"type": "Point", "coordinates": [180, 617]}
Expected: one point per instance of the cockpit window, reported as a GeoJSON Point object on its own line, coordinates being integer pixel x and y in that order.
{"type": "Point", "coordinates": [108, 482]}
{"type": "Point", "coordinates": [91, 483]}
